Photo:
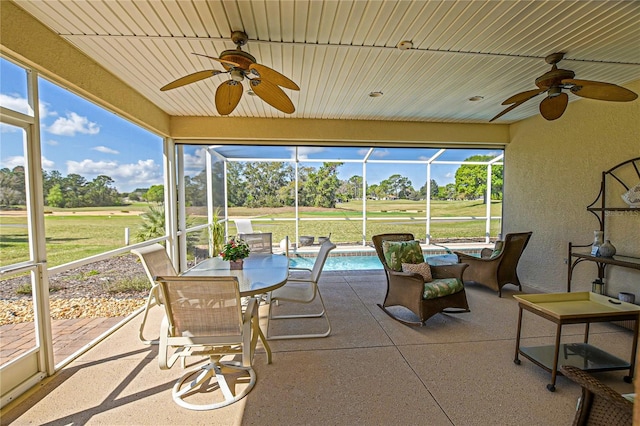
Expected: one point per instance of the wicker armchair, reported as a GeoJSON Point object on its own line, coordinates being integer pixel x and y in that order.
{"type": "Point", "coordinates": [407, 289]}
{"type": "Point", "coordinates": [599, 404]}
{"type": "Point", "coordinates": [493, 269]}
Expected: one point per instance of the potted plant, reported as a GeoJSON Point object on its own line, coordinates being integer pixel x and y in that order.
{"type": "Point", "coordinates": [234, 251]}
{"type": "Point", "coordinates": [216, 233]}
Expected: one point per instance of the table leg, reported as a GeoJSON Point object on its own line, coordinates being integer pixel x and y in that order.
{"type": "Point", "coordinates": [554, 372]}
{"type": "Point", "coordinates": [634, 349]}
{"type": "Point", "coordinates": [586, 332]}
{"type": "Point", "coordinates": [516, 360]}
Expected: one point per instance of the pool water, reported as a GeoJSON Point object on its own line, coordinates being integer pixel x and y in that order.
{"type": "Point", "coordinates": [359, 263]}
{"type": "Point", "coordinates": [339, 263]}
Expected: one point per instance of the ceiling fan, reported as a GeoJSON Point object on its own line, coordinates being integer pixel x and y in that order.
{"type": "Point", "coordinates": [554, 81]}
{"type": "Point", "coordinates": [263, 81]}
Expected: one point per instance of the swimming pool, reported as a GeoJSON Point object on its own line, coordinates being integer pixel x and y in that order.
{"type": "Point", "coordinates": [339, 263]}
{"type": "Point", "coordinates": [347, 263]}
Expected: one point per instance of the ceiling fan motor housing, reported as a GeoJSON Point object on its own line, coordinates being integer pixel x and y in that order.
{"type": "Point", "coordinates": [554, 78]}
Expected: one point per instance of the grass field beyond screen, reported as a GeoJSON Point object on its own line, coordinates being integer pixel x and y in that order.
{"type": "Point", "coordinates": [71, 236]}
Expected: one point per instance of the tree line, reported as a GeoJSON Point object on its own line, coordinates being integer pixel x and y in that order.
{"type": "Point", "coordinates": [255, 184]}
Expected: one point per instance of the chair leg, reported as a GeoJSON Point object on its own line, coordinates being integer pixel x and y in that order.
{"type": "Point", "coordinates": [300, 316]}
{"type": "Point", "coordinates": [151, 302]}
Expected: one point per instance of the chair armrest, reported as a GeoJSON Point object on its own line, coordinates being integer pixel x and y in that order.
{"type": "Point", "coordinates": [590, 383]}
{"type": "Point", "coordinates": [448, 271]}
{"type": "Point", "coordinates": [447, 249]}
{"type": "Point", "coordinates": [408, 283]}
{"type": "Point", "coordinates": [473, 260]}
{"type": "Point", "coordinates": [250, 310]}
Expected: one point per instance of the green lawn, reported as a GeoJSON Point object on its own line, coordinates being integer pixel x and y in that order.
{"type": "Point", "coordinates": [83, 233]}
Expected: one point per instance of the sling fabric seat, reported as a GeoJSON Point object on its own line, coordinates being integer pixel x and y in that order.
{"type": "Point", "coordinates": [445, 293]}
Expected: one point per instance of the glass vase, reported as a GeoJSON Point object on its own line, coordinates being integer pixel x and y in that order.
{"type": "Point", "coordinates": [598, 238]}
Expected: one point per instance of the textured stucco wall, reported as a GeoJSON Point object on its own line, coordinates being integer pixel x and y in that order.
{"type": "Point", "coordinates": [552, 172]}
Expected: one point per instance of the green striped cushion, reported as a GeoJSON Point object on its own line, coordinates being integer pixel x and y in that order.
{"type": "Point", "coordinates": [398, 252]}
{"type": "Point", "coordinates": [442, 287]}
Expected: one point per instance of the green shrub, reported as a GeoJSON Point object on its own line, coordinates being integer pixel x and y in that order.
{"type": "Point", "coordinates": [132, 284]}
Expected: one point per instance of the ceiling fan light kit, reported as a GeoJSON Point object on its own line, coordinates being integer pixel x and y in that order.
{"type": "Point", "coordinates": [555, 81]}
{"type": "Point", "coordinates": [264, 82]}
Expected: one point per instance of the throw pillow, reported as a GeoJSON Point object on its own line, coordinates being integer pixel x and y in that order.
{"type": "Point", "coordinates": [421, 268]}
{"type": "Point", "coordinates": [497, 249]}
{"type": "Point", "coordinates": [398, 252]}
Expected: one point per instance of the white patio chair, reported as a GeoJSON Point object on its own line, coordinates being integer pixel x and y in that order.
{"type": "Point", "coordinates": [244, 226]}
{"type": "Point", "coordinates": [204, 317]}
{"type": "Point", "coordinates": [301, 290]}
{"type": "Point", "coordinates": [156, 263]}
{"type": "Point", "coordinates": [258, 242]}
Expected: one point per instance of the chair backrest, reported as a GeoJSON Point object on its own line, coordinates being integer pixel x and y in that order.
{"type": "Point", "coordinates": [258, 242]}
{"type": "Point", "coordinates": [318, 265]}
{"type": "Point", "coordinates": [514, 245]}
{"type": "Point", "coordinates": [198, 306]}
{"type": "Point", "coordinates": [243, 226]}
{"type": "Point", "coordinates": [155, 261]}
{"type": "Point", "coordinates": [377, 243]}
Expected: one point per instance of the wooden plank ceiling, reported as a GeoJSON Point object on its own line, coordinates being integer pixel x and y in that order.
{"type": "Point", "coordinates": [340, 51]}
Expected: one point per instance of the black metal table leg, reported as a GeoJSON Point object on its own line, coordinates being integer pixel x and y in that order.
{"type": "Point", "coordinates": [516, 360]}
{"type": "Point", "coordinates": [554, 371]}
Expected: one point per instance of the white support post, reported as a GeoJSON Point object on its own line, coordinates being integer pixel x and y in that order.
{"type": "Point", "coordinates": [35, 222]}
{"type": "Point", "coordinates": [487, 235]}
{"type": "Point", "coordinates": [428, 209]}
{"type": "Point", "coordinates": [170, 198]}
{"type": "Point", "coordinates": [297, 183]}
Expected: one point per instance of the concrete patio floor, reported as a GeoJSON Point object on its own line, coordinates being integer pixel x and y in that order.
{"type": "Point", "coordinates": [456, 370]}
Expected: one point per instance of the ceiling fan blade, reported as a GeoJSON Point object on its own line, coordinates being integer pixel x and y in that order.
{"type": "Point", "coordinates": [520, 98]}
{"type": "Point", "coordinates": [553, 108]}
{"type": "Point", "coordinates": [523, 96]}
{"type": "Point", "coordinates": [223, 61]}
{"type": "Point", "coordinates": [601, 91]}
{"type": "Point", "coordinates": [273, 76]}
{"type": "Point", "coordinates": [508, 109]}
{"type": "Point", "coordinates": [273, 95]}
{"type": "Point", "coordinates": [191, 78]}
{"type": "Point", "coordinates": [228, 95]}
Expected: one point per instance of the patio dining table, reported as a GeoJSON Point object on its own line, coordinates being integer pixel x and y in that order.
{"type": "Point", "coordinates": [261, 272]}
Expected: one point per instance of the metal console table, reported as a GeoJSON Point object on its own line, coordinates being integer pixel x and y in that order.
{"type": "Point", "coordinates": [576, 308]}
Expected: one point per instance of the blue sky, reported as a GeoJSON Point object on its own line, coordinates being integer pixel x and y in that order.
{"type": "Point", "coordinates": [80, 137]}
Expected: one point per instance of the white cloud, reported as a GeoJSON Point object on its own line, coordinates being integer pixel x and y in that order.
{"type": "Point", "coordinates": [105, 150]}
{"type": "Point", "coordinates": [15, 103]}
{"type": "Point", "coordinates": [127, 177]}
{"type": "Point", "coordinates": [380, 153]}
{"type": "Point", "coordinates": [304, 151]}
{"type": "Point", "coordinates": [18, 160]}
{"type": "Point", "coordinates": [13, 161]}
{"type": "Point", "coordinates": [5, 128]}
{"type": "Point", "coordinates": [52, 142]}
{"type": "Point", "coordinates": [47, 164]}
{"type": "Point", "coordinates": [20, 104]}
{"type": "Point", "coordinates": [73, 124]}
{"type": "Point", "coordinates": [196, 162]}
